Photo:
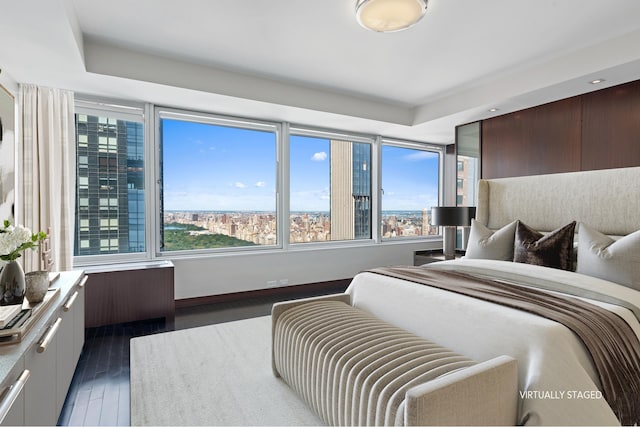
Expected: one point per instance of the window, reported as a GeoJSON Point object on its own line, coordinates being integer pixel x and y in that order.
{"type": "Point", "coordinates": [410, 187]}
{"type": "Point", "coordinates": [219, 182]}
{"type": "Point", "coordinates": [468, 160]}
{"type": "Point", "coordinates": [110, 194]}
{"type": "Point", "coordinates": [467, 181]}
{"type": "Point", "coordinates": [83, 182]}
{"type": "Point", "coordinates": [109, 245]}
{"type": "Point", "coordinates": [330, 188]}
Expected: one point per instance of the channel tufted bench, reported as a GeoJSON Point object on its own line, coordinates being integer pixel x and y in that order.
{"type": "Point", "coordinates": [352, 368]}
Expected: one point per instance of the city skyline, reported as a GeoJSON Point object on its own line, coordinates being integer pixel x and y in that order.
{"type": "Point", "coordinates": [260, 228]}
{"type": "Point", "coordinates": [327, 212]}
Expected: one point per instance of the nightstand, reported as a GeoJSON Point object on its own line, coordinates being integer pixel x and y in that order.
{"type": "Point", "coordinates": [432, 255]}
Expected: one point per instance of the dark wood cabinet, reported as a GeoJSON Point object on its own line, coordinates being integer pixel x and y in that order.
{"type": "Point", "coordinates": [131, 293]}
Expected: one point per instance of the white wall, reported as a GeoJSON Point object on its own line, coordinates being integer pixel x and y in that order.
{"type": "Point", "coordinates": [214, 275]}
{"type": "Point", "coordinates": [8, 93]}
{"type": "Point", "coordinates": [8, 82]}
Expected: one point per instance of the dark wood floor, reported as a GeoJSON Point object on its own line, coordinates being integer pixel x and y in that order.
{"type": "Point", "coordinates": [99, 392]}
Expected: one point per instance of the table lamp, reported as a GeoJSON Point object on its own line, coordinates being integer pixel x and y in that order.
{"type": "Point", "coordinates": [450, 217]}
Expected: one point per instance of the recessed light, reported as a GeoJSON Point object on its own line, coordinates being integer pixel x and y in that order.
{"type": "Point", "coordinates": [596, 81]}
{"type": "Point", "coordinates": [493, 110]}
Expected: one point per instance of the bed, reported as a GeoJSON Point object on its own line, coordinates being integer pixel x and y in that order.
{"type": "Point", "coordinates": [228, 381]}
{"type": "Point", "coordinates": [557, 379]}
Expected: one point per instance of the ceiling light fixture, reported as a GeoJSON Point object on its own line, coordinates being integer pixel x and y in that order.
{"type": "Point", "coordinates": [493, 110]}
{"type": "Point", "coordinates": [386, 16]}
{"type": "Point", "coordinates": [596, 81]}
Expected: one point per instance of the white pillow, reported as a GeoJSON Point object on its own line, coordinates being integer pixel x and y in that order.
{"type": "Point", "coordinates": [614, 260]}
{"type": "Point", "coordinates": [487, 244]}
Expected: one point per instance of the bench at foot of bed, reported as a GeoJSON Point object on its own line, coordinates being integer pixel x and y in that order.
{"type": "Point", "coordinates": [352, 368]}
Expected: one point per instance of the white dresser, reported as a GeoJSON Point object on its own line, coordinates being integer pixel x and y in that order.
{"type": "Point", "coordinates": [36, 372]}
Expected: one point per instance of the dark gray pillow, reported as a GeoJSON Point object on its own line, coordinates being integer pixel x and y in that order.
{"type": "Point", "coordinates": [553, 250]}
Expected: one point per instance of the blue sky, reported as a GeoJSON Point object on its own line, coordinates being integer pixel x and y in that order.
{"type": "Point", "coordinates": [218, 168]}
{"type": "Point", "coordinates": [209, 167]}
{"type": "Point", "coordinates": [309, 188]}
{"type": "Point", "coordinates": [409, 179]}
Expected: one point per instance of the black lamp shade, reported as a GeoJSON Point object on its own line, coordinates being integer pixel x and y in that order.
{"type": "Point", "coordinates": [456, 216]}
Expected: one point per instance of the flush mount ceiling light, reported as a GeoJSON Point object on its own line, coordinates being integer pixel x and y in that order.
{"type": "Point", "coordinates": [389, 15]}
{"type": "Point", "coordinates": [596, 81]}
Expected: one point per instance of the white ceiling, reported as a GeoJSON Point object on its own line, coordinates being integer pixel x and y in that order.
{"type": "Point", "coordinates": [309, 62]}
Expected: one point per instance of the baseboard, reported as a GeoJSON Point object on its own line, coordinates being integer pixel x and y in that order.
{"type": "Point", "coordinates": [285, 291]}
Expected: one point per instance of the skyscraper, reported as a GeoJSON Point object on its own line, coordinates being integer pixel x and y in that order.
{"type": "Point", "coordinates": [110, 188]}
{"type": "Point", "coordinates": [350, 190]}
{"type": "Point", "coordinates": [362, 189]}
{"type": "Point", "coordinates": [466, 181]}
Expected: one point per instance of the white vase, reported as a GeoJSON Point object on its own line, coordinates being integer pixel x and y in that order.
{"type": "Point", "coordinates": [12, 284]}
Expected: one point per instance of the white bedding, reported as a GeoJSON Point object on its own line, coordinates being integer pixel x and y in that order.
{"type": "Point", "coordinates": [557, 381]}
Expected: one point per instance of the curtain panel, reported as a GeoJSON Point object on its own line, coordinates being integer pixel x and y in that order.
{"type": "Point", "coordinates": [47, 171]}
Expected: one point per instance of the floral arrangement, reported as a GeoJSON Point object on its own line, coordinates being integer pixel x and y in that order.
{"type": "Point", "coordinates": [15, 239]}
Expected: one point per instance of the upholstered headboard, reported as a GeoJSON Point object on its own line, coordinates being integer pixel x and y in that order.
{"type": "Point", "coordinates": [608, 200]}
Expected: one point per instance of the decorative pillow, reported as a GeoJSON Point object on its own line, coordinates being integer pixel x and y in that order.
{"type": "Point", "coordinates": [554, 249]}
{"type": "Point", "coordinates": [487, 244]}
{"type": "Point", "coordinates": [614, 260]}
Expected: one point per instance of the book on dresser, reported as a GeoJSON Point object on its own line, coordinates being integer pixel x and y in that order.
{"type": "Point", "coordinates": [8, 312]}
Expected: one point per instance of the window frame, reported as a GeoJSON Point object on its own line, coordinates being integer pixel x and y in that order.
{"type": "Point", "coordinates": [216, 120]}
{"type": "Point", "coordinates": [414, 145]}
{"type": "Point", "coordinates": [128, 111]}
{"type": "Point", "coordinates": [149, 115]}
{"type": "Point", "coordinates": [471, 151]}
{"type": "Point", "coordinates": [317, 132]}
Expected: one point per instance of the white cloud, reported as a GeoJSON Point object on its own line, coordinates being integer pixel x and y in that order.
{"type": "Point", "coordinates": [261, 184]}
{"type": "Point", "coordinates": [421, 155]}
{"type": "Point", "coordinates": [239, 185]}
{"type": "Point", "coordinates": [319, 157]}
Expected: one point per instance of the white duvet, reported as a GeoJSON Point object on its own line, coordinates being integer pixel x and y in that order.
{"type": "Point", "coordinates": [558, 384]}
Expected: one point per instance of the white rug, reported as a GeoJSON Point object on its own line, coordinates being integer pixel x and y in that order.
{"type": "Point", "coordinates": [212, 375]}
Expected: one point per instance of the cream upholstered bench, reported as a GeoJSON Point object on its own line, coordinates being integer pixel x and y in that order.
{"type": "Point", "coordinates": [352, 368]}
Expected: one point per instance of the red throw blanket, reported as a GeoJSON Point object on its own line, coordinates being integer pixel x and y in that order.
{"type": "Point", "coordinates": [614, 347]}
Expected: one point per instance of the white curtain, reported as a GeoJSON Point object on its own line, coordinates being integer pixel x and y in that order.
{"type": "Point", "coordinates": [47, 171]}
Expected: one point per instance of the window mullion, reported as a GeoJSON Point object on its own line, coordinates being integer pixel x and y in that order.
{"type": "Point", "coordinates": [376, 190]}
{"type": "Point", "coordinates": [284, 187]}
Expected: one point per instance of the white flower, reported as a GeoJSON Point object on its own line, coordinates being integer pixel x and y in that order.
{"type": "Point", "coordinates": [14, 239]}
